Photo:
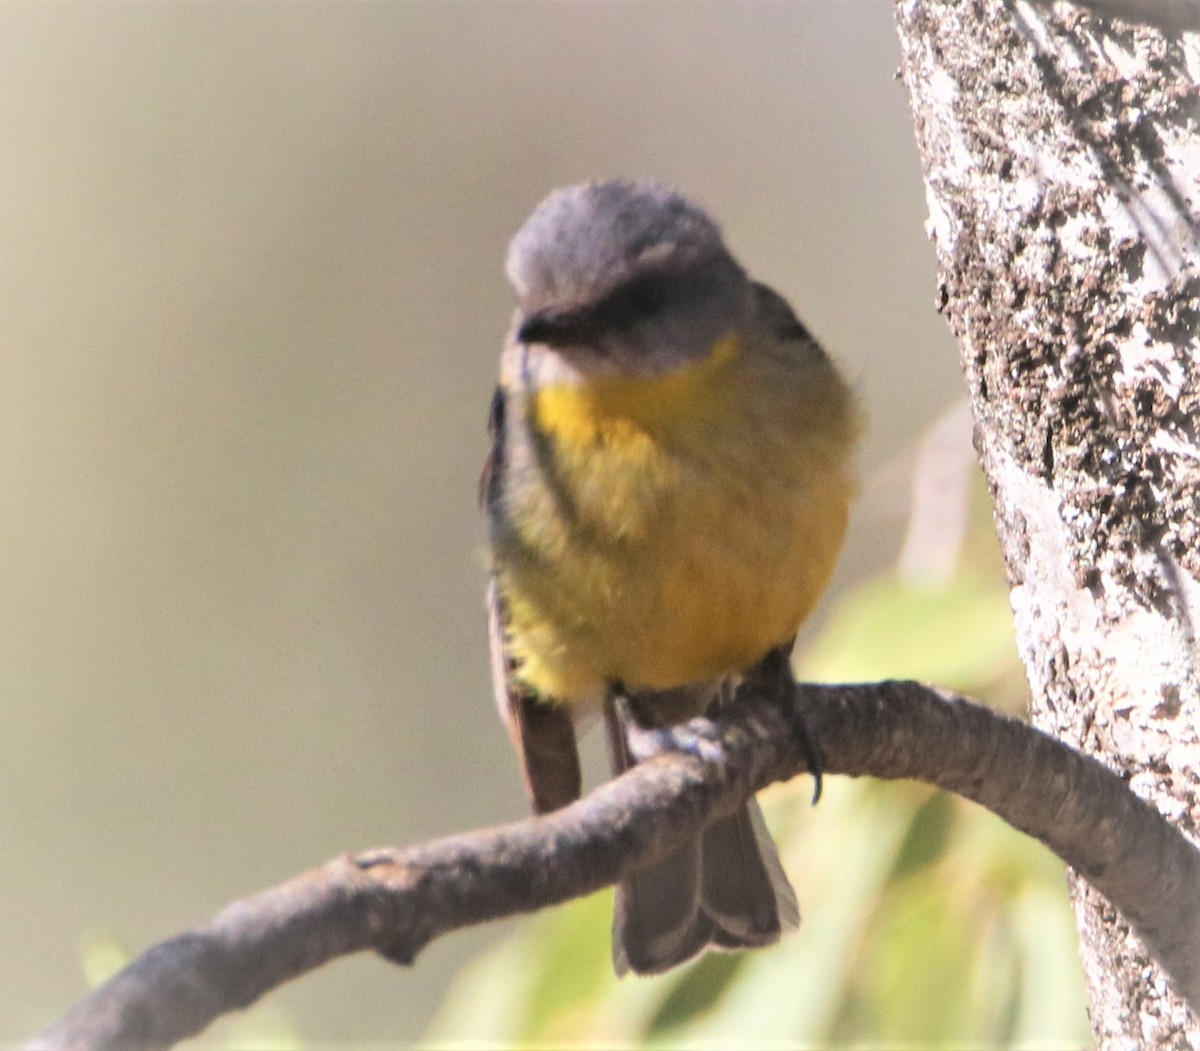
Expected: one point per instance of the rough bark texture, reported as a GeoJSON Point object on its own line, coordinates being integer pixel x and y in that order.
{"type": "Point", "coordinates": [1062, 164]}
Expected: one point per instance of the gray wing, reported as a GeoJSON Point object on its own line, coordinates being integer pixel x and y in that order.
{"type": "Point", "coordinates": [493, 467]}
{"type": "Point", "coordinates": [542, 733]}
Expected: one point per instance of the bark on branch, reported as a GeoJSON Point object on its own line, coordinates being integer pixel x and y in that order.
{"type": "Point", "coordinates": [396, 901]}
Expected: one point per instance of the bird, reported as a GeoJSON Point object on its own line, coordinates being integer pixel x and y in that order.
{"type": "Point", "coordinates": [666, 495]}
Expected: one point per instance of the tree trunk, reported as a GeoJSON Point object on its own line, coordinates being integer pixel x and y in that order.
{"type": "Point", "coordinates": [1061, 155]}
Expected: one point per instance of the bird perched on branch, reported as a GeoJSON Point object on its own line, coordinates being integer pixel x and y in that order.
{"type": "Point", "coordinates": [666, 496]}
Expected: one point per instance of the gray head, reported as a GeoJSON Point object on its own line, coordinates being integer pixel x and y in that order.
{"type": "Point", "coordinates": [624, 272]}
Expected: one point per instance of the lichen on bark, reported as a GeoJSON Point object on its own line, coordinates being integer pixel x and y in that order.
{"type": "Point", "coordinates": [1062, 164]}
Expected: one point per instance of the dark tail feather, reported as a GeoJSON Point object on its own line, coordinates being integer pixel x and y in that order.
{"type": "Point", "coordinates": [744, 888]}
{"type": "Point", "coordinates": [728, 891]}
{"type": "Point", "coordinates": [657, 918]}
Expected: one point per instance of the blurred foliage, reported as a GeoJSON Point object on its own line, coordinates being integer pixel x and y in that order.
{"type": "Point", "coordinates": [102, 953]}
{"type": "Point", "coordinates": [928, 922]}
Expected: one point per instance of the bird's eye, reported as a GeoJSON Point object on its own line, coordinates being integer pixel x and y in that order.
{"type": "Point", "coordinates": [646, 297]}
{"type": "Point", "coordinates": [633, 302]}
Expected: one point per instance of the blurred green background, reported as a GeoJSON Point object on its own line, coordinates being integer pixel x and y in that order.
{"type": "Point", "coordinates": [253, 302]}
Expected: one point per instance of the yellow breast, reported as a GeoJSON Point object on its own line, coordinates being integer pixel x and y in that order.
{"type": "Point", "coordinates": [674, 529]}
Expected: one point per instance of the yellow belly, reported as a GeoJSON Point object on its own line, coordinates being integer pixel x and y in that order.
{"type": "Point", "coordinates": [676, 544]}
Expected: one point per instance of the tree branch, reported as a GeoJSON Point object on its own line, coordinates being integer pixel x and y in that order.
{"type": "Point", "coordinates": [1171, 16]}
{"type": "Point", "coordinates": [396, 901]}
